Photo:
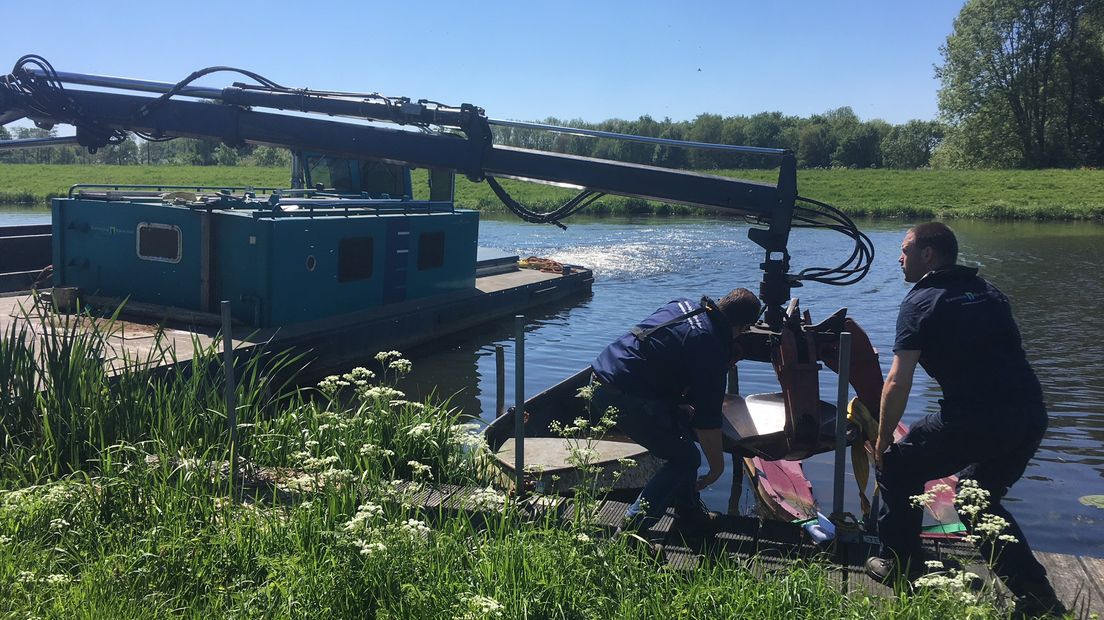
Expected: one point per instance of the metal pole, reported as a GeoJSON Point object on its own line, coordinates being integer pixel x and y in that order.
{"type": "Point", "coordinates": [231, 395]}
{"type": "Point", "coordinates": [736, 488]}
{"type": "Point", "coordinates": [841, 419]}
{"type": "Point", "coordinates": [500, 380]}
{"type": "Point", "coordinates": [519, 403]}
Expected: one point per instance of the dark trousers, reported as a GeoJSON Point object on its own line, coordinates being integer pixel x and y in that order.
{"type": "Point", "coordinates": [655, 425]}
{"type": "Point", "coordinates": [991, 448]}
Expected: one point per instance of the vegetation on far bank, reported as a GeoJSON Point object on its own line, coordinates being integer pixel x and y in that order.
{"type": "Point", "coordinates": [914, 194]}
{"type": "Point", "coordinates": [114, 503]}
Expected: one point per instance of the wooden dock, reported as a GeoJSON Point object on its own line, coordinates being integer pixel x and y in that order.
{"type": "Point", "coordinates": [765, 545]}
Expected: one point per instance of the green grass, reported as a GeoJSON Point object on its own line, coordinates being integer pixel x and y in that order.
{"type": "Point", "coordinates": [914, 194]}
{"type": "Point", "coordinates": [114, 504]}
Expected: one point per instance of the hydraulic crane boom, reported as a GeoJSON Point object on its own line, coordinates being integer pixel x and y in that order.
{"type": "Point", "coordinates": [233, 115]}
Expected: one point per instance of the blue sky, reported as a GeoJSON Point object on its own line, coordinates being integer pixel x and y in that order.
{"type": "Point", "coordinates": [523, 60]}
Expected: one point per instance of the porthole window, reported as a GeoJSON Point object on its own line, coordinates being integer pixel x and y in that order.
{"type": "Point", "coordinates": [158, 242]}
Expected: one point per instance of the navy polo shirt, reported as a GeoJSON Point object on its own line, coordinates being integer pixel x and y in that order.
{"type": "Point", "coordinates": [685, 362]}
{"type": "Point", "coordinates": [968, 340]}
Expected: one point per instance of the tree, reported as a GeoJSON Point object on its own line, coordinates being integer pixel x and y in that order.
{"type": "Point", "coordinates": [1009, 64]}
{"type": "Point", "coordinates": [271, 157]}
{"type": "Point", "coordinates": [815, 146]}
{"type": "Point", "coordinates": [911, 145]}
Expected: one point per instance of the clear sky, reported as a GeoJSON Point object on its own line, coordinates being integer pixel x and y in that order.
{"type": "Point", "coordinates": [524, 60]}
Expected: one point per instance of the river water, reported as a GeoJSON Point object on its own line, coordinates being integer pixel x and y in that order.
{"type": "Point", "coordinates": [1050, 272]}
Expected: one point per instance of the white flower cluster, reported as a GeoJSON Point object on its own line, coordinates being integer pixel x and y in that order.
{"type": "Point", "coordinates": [467, 437]}
{"type": "Point", "coordinates": [488, 499]}
{"type": "Point", "coordinates": [421, 430]}
{"type": "Point", "coordinates": [401, 366]}
{"type": "Point", "coordinates": [926, 498]}
{"type": "Point", "coordinates": [56, 579]}
{"type": "Point", "coordinates": [415, 528]}
{"type": "Point", "coordinates": [420, 470]}
{"type": "Point", "coordinates": [369, 548]}
{"type": "Point", "coordinates": [372, 450]}
{"type": "Point", "coordinates": [367, 512]}
{"type": "Point", "coordinates": [954, 583]}
{"type": "Point", "coordinates": [384, 356]}
{"type": "Point", "coordinates": [479, 606]}
{"type": "Point", "coordinates": [971, 498]}
{"type": "Point", "coordinates": [381, 393]}
{"type": "Point", "coordinates": [4, 540]}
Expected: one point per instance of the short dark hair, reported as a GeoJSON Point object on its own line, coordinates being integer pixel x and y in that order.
{"type": "Point", "coordinates": [939, 237]}
{"type": "Point", "coordinates": [740, 307]}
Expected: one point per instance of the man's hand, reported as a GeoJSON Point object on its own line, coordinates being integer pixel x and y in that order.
{"type": "Point", "coordinates": [710, 440]}
{"type": "Point", "coordinates": [709, 478]}
{"type": "Point", "coordinates": [880, 448]}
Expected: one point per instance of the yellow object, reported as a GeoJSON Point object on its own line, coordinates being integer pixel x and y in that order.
{"type": "Point", "coordinates": [859, 415]}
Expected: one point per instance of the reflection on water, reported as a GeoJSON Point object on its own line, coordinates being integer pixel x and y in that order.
{"type": "Point", "coordinates": [1050, 271]}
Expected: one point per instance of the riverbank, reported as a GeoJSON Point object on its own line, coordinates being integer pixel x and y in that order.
{"type": "Point", "coordinates": [911, 194]}
{"type": "Point", "coordinates": [115, 504]}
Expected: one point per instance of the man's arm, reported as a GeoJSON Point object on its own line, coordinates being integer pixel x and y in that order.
{"type": "Point", "coordinates": [710, 440]}
{"type": "Point", "coordinates": [895, 393]}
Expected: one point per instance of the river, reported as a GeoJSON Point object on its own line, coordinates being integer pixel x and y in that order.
{"type": "Point", "coordinates": [1050, 271]}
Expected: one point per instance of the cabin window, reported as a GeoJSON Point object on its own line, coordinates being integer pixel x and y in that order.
{"type": "Point", "coordinates": [158, 242]}
{"type": "Point", "coordinates": [431, 250]}
{"type": "Point", "coordinates": [354, 259]}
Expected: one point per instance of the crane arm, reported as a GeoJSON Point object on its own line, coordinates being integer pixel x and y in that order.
{"type": "Point", "coordinates": [243, 114]}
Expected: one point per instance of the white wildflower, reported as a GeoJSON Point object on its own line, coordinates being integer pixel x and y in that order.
{"type": "Point", "coordinates": [370, 548]}
{"type": "Point", "coordinates": [420, 470]}
{"type": "Point", "coordinates": [57, 579]}
{"type": "Point", "coordinates": [368, 511]}
{"type": "Point", "coordinates": [401, 366]}
{"type": "Point", "coordinates": [59, 524]}
{"type": "Point", "coordinates": [381, 393]}
{"type": "Point", "coordinates": [423, 429]}
{"type": "Point", "coordinates": [415, 528]}
{"type": "Point", "coordinates": [384, 356]}
{"type": "Point", "coordinates": [479, 606]}
{"type": "Point", "coordinates": [4, 540]}
{"type": "Point", "coordinates": [488, 499]}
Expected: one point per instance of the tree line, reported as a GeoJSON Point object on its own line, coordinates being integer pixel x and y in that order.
{"type": "Point", "coordinates": [1021, 86]}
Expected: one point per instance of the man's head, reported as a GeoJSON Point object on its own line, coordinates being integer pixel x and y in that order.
{"type": "Point", "coordinates": [740, 307]}
{"type": "Point", "coordinates": [927, 247]}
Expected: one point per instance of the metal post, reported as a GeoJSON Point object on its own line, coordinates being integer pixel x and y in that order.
{"type": "Point", "coordinates": [841, 419]}
{"type": "Point", "coordinates": [500, 380]}
{"type": "Point", "coordinates": [519, 403]}
{"type": "Point", "coordinates": [231, 395]}
{"type": "Point", "coordinates": [736, 488]}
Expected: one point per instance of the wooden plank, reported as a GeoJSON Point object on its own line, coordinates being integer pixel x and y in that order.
{"type": "Point", "coordinates": [1074, 585]}
{"type": "Point", "coordinates": [1094, 568]}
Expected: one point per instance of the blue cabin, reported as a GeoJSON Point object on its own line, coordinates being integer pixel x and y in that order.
{"type": "Point", "coordinates": [353, 237]}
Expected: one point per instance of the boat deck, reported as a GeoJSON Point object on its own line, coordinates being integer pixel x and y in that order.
{"type": "Point", "coordinates": [332, 343]}
{"type": "Point", "coordinates": [766, 545]}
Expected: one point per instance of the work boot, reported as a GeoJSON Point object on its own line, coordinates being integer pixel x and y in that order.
{"type": "Point", "coordinates": [695, 518]}
{"type": "Point", "coordinates": [1040, 602]}
{"type": "Point", "coordinates": [886, 571]}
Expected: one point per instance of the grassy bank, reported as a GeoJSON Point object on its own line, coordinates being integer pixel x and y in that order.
{"type": "Point", "coordinates": [915, 194]}
{"type": "Point", "coordinates": [114, 503]}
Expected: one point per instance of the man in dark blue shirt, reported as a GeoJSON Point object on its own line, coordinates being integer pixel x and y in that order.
{"type": "Point", "coordinates": [665, 378]}
{"type": "Point", "coordinates": [960, 329]}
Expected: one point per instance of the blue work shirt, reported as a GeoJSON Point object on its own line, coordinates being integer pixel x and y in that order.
{"type": "Point", "coordinates": [968, 341]}
{"type": "Point", "coordinates": [685, 362]}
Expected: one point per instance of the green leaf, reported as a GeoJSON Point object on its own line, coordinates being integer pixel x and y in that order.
{"type": "Point", "coordinates": [1093, 500]}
